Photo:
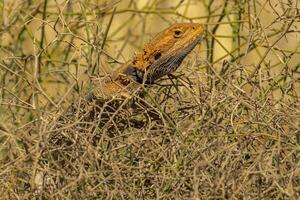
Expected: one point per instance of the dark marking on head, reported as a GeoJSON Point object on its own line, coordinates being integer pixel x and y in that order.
{"type": "Point", "coordinates": [157, 55]}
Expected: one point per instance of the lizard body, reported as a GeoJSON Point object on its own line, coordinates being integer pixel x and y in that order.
{"type": "Point", "coordinates": [161, 56]}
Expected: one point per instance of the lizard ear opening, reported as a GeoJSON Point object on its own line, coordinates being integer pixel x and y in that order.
{"type": "Point", "coordinates": [157, 56]}
{"type": "Point", "coordinates": [177, 33]}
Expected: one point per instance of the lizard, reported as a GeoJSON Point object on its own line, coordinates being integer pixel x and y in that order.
{"type": "Point", "coordinates": [160, 56]}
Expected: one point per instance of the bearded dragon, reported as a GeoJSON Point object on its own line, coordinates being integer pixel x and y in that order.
{"type": "Point", "coordinates": [161, 56]}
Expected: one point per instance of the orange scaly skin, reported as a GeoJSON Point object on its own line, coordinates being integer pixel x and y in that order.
{"type": "Point", "coordinates": [161, 56]}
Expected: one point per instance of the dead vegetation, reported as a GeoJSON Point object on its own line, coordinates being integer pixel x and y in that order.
{"type": "Point", "coordinates": [226, 125]}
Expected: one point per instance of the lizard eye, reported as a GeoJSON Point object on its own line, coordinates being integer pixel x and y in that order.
{"type": "Point", "coordinates": [177, 33]}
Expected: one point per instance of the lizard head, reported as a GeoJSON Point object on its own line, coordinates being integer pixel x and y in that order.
{"type": "Point", "coordinates": [165, 52]}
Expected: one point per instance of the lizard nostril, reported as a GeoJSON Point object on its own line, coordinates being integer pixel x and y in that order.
{"type": "Point", "coordinates": [157, 56]}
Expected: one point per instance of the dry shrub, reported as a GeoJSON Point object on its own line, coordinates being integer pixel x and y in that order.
{"type": "Point", "coordinates": [222, 127]}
